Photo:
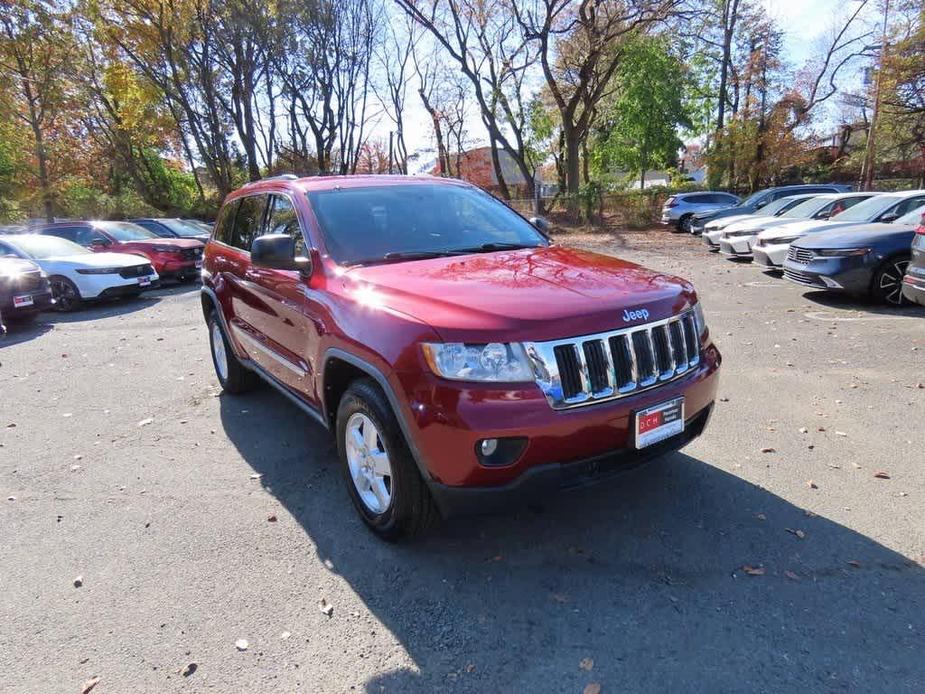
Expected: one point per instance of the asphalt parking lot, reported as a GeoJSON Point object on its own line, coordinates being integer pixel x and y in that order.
{"type": "Point", "coordinates": [195, 520]}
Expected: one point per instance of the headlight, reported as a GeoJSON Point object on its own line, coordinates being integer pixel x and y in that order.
{"type": "Point", "coordinates": [782, 239]}
{"type": "Point", "coordinates": [467, 362]}
{"type": "Point", "coordinates": [700, 321]}
{"type": "Point", "coordinates": [99, 271]}
{"type": "Point", "coordinates": [746, 232]}
{"type": "Point", "coordinates": [840, 252]}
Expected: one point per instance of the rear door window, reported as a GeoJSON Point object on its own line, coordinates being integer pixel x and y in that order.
{"type": "Point", "coordinates": [87, 235]}
{"type": "Point", "coordinates": [248, 223]}
{"type": "Point", "coordinates": [907, 205]}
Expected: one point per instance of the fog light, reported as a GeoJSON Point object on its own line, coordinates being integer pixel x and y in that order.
{"type": "Point", "coordinates": [500, 452]}
{"type": "Point", "coordinates": [488, 447]}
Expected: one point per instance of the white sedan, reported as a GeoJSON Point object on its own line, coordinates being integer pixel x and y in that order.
{"type": "Point", "coordinates": [77, 274]}
{"type": "Point", "coordinates": [771, 246]}
{"type": "Point", "coordinates": [737, 240]}
{"type": "Point", "coordinates": [713, 231]}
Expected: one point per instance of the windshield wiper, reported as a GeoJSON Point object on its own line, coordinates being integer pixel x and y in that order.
{"type": "Point", "coordinates": [398, 256]}
{"type": "Point", "coordinates": [489, 247]}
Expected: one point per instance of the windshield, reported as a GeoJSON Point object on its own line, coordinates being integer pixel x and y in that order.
{"type": "Point", "coordinates": [868, 210]}
{"type": "Point", "coordinates": [755, 199]}
{"type": "Point", "coordinates": [915, 217]}
{"type": "Point", "coordinates": [776, 208]}
{"type": "Point", "coordinates": [39, 247]}
{"type": "Point", "coordinates": [181, 228]}
{"type": "Point", "coordinates": [807, 208]}
{"type": "Point", "coordinates": [399, 222]}
{"type": "Point", "coordinates": [126, 231]}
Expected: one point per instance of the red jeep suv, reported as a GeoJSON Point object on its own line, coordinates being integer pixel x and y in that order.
{"type": "Point", "coordinates": [462, 360]}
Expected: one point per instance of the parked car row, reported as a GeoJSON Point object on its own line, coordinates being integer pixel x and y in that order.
{"type": "Point", "coordinates": [860, 243]}
{"type": "Point", "coordinates": [64, 264]}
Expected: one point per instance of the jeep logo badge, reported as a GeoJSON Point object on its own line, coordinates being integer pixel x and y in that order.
{"type": "Point", "coordinates": [638, 314]}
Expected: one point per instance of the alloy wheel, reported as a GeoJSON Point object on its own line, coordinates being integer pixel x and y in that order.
{"type": "Point", "coordinates": [368, 460]}
{"type": "Point", "coordinates": [891, 282]}
{"type": "Point", "coordinates": [66, 296]}
{"type": "Point", "coordinates": [218, 352]}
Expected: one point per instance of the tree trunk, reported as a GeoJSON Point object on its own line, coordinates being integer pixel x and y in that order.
{"type": "Point", "coordinates": [45, 184]}
{"type": "Point", "coordinates": [499, 174]}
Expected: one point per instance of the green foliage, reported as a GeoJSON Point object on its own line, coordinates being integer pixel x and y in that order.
{"type": "Point", "coordinates": [638, 127]}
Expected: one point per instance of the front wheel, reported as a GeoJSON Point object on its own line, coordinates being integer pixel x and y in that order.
{"type": "Point", "coordinates": [232, 375]}
{"type": "Point", "coordinates": [685, 223]}
{"type": "Point", "coordinates": [887, 285]}
{"type": "Point", "coordinates": [67, 296]}
{"type": "Point", "coordinates": [381, 476]}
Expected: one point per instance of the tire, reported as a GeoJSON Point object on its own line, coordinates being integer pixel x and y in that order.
{"type": "Point", "coordinates": [887, 285]}
{"type": "Point", "coordinates": [67, 296]}
{"type": "Point", "coordinates": [403, 507]}
{"type": "Point", "coordinates": [684, 224]}
{"type": "Point", "coordinates": [232, 375]}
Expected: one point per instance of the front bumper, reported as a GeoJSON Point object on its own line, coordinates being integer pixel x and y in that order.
{"type": "Point", "coordinates": [111, 285]}
{"type": "Point", "coordinates": [42, 300]}
{"type": "Point", "coordinates": [737, 247]}
{"type": "Point", "coordinates": [448, 419]}
{"type": "Point", "coordinates": [914, 289]}
{"type": "Point", "coordinates": [543, 481]}
{"type": "Point", "coordinates": [773, 255]}
{"type": "Point", "coordinates": [179, 269]}
{"type": "Point", "coordinates": [848, 274]}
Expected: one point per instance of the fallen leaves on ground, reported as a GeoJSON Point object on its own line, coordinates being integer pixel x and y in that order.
{"type": "Point", "coordinates": [791, 575]}
{"type": "Point", "coordinates": [146, 422]}
{"type": "Point", "coordinates": [855, 563]}
{"type": "Point", "coordinates": [271, 518]}
{"type": "Point", "coordinates": [881, 475]}
{"type": "Point", "coordinates": [586, 664]}
{"type": "Point", "coordinates": [241, 644]}
{"type": "Point", "coordinates": [592, 688]}
{"type": "Point", "coordinates": [754, 570]}
{"type": "Point", "coordinates": [811, 484]}
{"type": "Point", "coordinates": [189, 669]}
{"type": "Point", "coordinates": [326, 607]}
{"type": "Point", "coordinates": [78, 581]}
{"type": "Point", "coordinates": [769, 450]}
{"type": "Point", "coordinates": [89, 684]}
{"type": "Point", "coordinates": [795, 531]}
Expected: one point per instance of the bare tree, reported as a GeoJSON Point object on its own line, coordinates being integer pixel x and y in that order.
{"type": "Point", "coordinates": [395, 58]}
{"type": "Point", "coordinates": [482, 38]}
{"type": "Point", "coordinates": [579, 47]}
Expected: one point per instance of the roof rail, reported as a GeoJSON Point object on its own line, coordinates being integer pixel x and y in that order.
{"type": "Point", "coordinates": [278, 177]}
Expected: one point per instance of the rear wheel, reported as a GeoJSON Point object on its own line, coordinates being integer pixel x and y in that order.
{"type": "Point", "coordinates": [67, 296]}
{"type": "Point", "coordinates": [381, 476]}
{"type": "Point", "coordinates": [888, 281]}
{"type": "Point", "coordinates": [684, 224]}
{"type": "Point", "coordinates": [232, 375]}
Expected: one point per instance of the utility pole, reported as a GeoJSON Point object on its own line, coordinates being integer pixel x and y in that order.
{"type": "Point", "coordinates": [867, 169]}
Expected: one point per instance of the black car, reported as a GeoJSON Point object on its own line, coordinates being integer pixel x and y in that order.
{"type": "Point", "coordinates": [763, 197]}
{"type": "Point", "coordinates": [861, 259]}
{"type": "Point", "coordinates": [169, 228]}
{"type": "Point", "coordinates": [24, 290]}
{"type": "Point", "coordinates": [914, 281]}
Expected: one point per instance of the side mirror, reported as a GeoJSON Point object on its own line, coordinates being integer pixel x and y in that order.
{"type": "Point", "coordinates": [888, 217]}
{"type": "Point", "coordinates": [99, 243]}
{"type": "Point", "coordinates": [540, 223]}
{"type": "Point", "coordinates": [277, 252]}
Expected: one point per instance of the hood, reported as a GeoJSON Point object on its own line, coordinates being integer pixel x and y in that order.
{"type": "Point", "coordinates": [726, 221]}
{"type": "Point", "coordinates": [752, 221]}
{"type": "Point", "coordinates": [179, 243]}
{"type": "Point", "coordinates": [862, 235]}
{"type": "Point", "coordinates": [100, 260]}
{"type": "Point", "coordinates": [528, 294]}
{"type": "Point", "coordinates": [16, 266]}
{"type": "Point", "coordinates": [801, 227]}
{"type": "Point", "coordinates": [725, 212]}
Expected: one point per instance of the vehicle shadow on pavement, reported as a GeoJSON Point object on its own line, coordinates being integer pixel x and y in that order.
{"type": "Point", "coordinates": [18, 331]}
{"type": "Point", "coordinates": [637, 584]}
{"type": "Point", "coordinates": [847, 302]}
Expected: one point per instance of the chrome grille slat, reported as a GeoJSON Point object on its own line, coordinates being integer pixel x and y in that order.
{"type": "Point", "coordinates": [605, 366]}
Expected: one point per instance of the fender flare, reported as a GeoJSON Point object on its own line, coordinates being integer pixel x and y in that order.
{"type": "Point", "coordinates": [380, 378]}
